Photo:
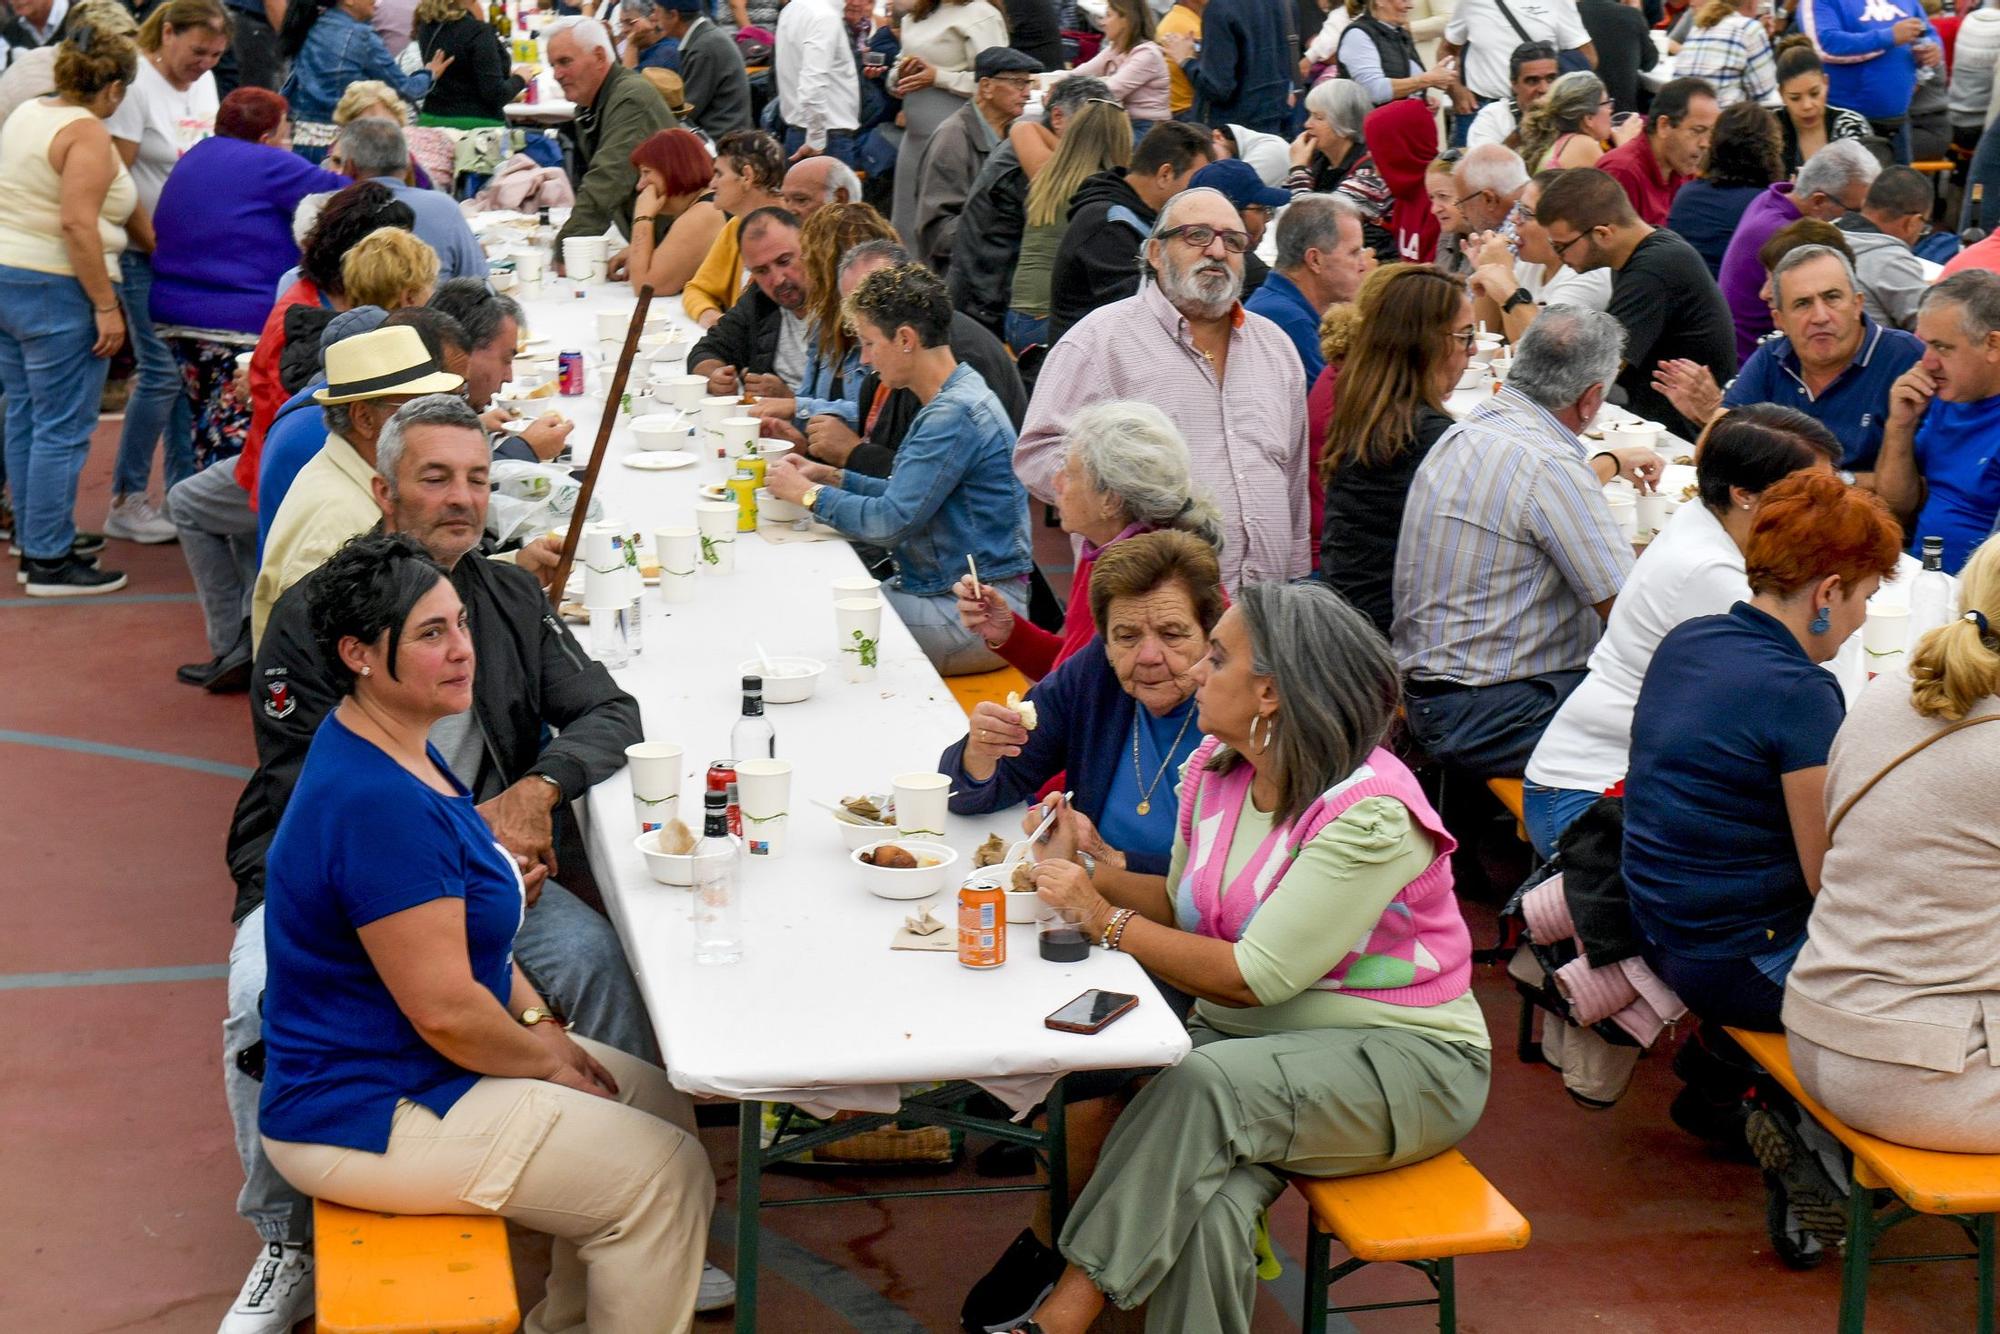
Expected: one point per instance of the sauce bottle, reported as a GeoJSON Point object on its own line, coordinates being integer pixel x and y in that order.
{"type": "Point", "coordinates": [982, 921]}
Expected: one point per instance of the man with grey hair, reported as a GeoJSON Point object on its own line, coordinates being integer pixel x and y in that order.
{"type": "Point", "coordinates": [375, 150]}
{"type": "Point", "coordinates": [981, 277]}
{"type": "Point", "coordinates": [1944, 417]}
{"type": "Point", "coordinates": [813, 183]}
{"type": "Point", "coordinates": [679, 36]}
{"type": "Point", "coordinates": [1322, 258]}
{"type": "Point", "coordinates": [1834, 181]}
{"type": "Point", "coordinates": [1513, 493]}
{"type": "Point", "coordinates": [493, 322]}
{"type": "Point", "coordinates": [1833, 362]}
{"type": "Point", "coordinates": [1490, 180]}
{"type": "Point", "coordinates": [616, 108]}
{"type": "Point", "coordinates": [1228, 378]}
{"type": "Point", "coordinates": [958, 148]}
{"type": "Point", "coordinates": [546, 723]}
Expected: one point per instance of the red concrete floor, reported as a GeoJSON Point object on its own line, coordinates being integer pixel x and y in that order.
{"type": "Point", "coordinates": [118, 1178]}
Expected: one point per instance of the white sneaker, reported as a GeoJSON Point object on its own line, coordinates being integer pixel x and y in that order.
{"type": "Point", "coordinates": [277, 1295]}
{"type": "Point", "coordinates": [137, 519]}
{"type": "Point", "coordinates": [718, 1290]}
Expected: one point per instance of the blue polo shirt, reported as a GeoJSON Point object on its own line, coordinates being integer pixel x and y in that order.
{"type": "Point", "coordinates": [1280, 301]}
{"type": "Point", "coordinates": [1853, 406]}
{"type": "Point", "coordinates": [1730, 705]}
{"type": "Point", "coordinates": [1958, 453]}
{"type": "Point", "coordinates": [663, 54]}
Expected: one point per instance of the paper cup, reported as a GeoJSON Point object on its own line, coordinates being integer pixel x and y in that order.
{"type": "Point", "coordinates": [764, 787]}
{"type": "Point", "coordinates": [712, 412]}
{"type": "Point", "coordinates": [1885, 637]}
{"type": "Point", "coordinates": [655, 767]}
{"type": "Point", "coordinates": [528, 264]}
{"type": "Point", "coordinates": [715, 524]}
{"type": "Point", "coordinates": [680, 552]}
{"type": "Point", "coordinates": [739, 435]}
{"type": "Point", "coordinates": [683, 392]}
{"type": "Point", "coordinates": [857, 630]}
{"type": "Point", "coordinates": [1625, 512]}
{"type": "Point", "coordinates": [1649, 515]}
{"type": "Point", "coordinates": [611, 325]}
{"type": "Point", "coordinates": [604, 567]}
{"type": "Point", "coordinates": [857, 586]}
{"type": "Point", "coordinates": [922, 802]}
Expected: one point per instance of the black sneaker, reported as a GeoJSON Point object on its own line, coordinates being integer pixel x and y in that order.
{"type": "Point", "coordinates": [85, 547]}
{"type": "Point", "coordinates": [1013, 1288]}
{"type": "Point", "coordinates": [1796, 1246]}
{"type": "Point", "coordinates": [68, 578]}
{"type": "Point", "coordinates": [1817, 1200]}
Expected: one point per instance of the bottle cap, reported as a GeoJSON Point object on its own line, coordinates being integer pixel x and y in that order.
{"type": "Point", "coordinates": [753, 684]}
{"type": "Point", "coordinates": [715, 797]}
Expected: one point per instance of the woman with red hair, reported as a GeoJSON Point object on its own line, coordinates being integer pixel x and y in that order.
{"type": "Point", "coordinates": [210, 300]}
{"type": "Point", "coordinates": [675, 220]}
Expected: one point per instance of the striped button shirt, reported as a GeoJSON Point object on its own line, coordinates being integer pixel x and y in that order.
{"type": "Point", "coordinates": [1734, 55]}
{"type": "Point", "coordinates": [1246, 433]}
{"type": "Point", "coordinates": [1506, 548]}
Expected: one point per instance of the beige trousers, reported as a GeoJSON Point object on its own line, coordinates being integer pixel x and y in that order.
{"type": "Point", "coordinates": [623, 1187]}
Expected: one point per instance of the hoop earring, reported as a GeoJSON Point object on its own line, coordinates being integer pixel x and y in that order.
{"type": "Point", "coordinates": [1270, 732]}
{"type": "Point", "coordinates": [1822, 622]}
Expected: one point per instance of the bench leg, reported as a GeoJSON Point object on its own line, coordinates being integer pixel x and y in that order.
{"type": "Point", "coordinates": [1317, 1244]}
{"type": "Point", "coordinates": [749, 1195]}
{"type": "Point", "coordinates": [1446, 1279]}
{"type": "Point", "coordinates": [1058, 1151]}
{"type": "Point", "coordinates": [1984, 1231]}
{"type": "Point", "coordinates": [1854, 1265]}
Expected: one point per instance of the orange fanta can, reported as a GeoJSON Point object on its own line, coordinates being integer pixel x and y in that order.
{"type": "Point", "coordinates": [982, 921]}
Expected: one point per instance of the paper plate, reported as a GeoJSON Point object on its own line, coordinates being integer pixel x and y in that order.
{"type": "Point", "coordinates": [659, 460]}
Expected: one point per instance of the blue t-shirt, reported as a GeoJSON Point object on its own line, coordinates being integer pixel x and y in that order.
{"type": "Point", "coordinates": [1730, 705]}
{"type": "Point", "coordinates": [1120, 822]}
{"type": "Point", "coordinates": [1853, 406]}
{"type": "Point", "coordinates": [1956, 446]}
{"type": "Point", "coordinates": [362, 838]}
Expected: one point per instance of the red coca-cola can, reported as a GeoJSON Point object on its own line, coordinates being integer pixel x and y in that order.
{"type": "Point", "coordinates": [569, 372]}
{"type": "Point", "coordinates": [722, 778]}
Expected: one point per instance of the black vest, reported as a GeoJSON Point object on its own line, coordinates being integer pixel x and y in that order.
{"type": "Point", "coordinates": [1394, 46]}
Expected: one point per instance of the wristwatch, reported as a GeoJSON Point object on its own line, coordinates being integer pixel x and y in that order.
{"type": "Point", "coordinates": [551, 782]}
{"type": "Point", "coordinates": [1521, 295]}
{"type": "Point", "coordinates": [535, 1014]}
{"type": "Point", "coordinates": [1088, 863]}
{"type": "Point", "coordinates": [811, 496]}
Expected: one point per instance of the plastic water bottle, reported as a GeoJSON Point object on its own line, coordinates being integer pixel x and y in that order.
{"type": "Point", "coordinates": [1933, 593]}
{"type": "Point", "coordinates": [753, 737]}
{"type": "Point", "coordinates": [718, 922]}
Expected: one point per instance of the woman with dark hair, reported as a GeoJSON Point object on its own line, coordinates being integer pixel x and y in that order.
{"type": "Point", "coordinates": [749, 168]}
{"type": "Point", "coordinates": [1132, 65]}
{"type": "Point", "coordinates": [331, 45]}
{"type": "Point", "coordinates": [1806, 122]}
{"type": "Point", "coordinates": [211, 301]}
{"type": "Point", "coordinates": [478, 80]}
{"type": "Point", "coordinates": [1693, 568]}
{"type": "Point", "coordinates": [675, 220]}
{"type": "Point", "coordinates": [410, 1066]}
{"type": "Point", "coordinates": [1412, 339]}
{"type": "Point", "coordinates": [953, 492]}
{"type": "Point", "coordinates": [1744, 157]}
{"type": "Point", "coordinates": [1309, 910]}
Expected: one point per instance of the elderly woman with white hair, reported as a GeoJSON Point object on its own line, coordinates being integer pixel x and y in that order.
{"type": "Point", "coordinates": [1309, 910]}
{"type": "Point", "coordinates": [1125, 471]}
{"type": "Point", "coordinates": [1331, 143]}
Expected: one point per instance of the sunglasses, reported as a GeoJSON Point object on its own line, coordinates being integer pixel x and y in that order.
{"type": "Point", "coordinates": [1197, 236]}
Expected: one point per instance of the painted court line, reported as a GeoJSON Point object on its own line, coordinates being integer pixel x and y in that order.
{"type": "Point", "coordinates": [102, 977]}
{"type": "Point", "coordinates": [78, 746]}
{"type": "Point", "coordinates": [105, 600]}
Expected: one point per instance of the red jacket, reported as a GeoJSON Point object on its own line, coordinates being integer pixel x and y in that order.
{"type": "Point", "coordinates": [267, 394]}
{"type": "Point", "coordinates": [1403, 139]}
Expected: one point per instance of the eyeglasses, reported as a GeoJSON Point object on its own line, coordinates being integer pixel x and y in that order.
{"type": "Point", "coordinates": [1466, 338]}
{"type": "Point", "coordinates": [1197, 236]}
{"type": "Point", "coordinates": [1562, 247]}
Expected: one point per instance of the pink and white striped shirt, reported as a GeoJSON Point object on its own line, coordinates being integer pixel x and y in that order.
{"type": "Point", "coordinates": [1246, 434]}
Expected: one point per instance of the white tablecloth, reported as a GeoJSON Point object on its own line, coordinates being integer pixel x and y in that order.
{"type": "Point", "coordinates": [820, 1011]}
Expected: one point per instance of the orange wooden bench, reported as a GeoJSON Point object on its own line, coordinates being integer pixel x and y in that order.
{"type": "Point", "coordinates": [1423, 1215]}
{"type": "Point", "coordinates": [986, 687]}
{"type": "Point", "coordinates": [412, 1274]}
{"type": "Point", "coordinates": [1508, 793]}
{"type": "Point", "coordinates": [1961, 1186]}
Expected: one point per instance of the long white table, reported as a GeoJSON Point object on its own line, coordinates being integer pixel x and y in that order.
{"type": "Point", "coordinates": [820, 1012]}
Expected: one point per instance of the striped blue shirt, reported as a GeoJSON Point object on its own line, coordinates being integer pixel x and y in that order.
{"type": "Point", "coordinates": [1507, 546]}
{"type": "Point", "coordinates": [1734, 55]}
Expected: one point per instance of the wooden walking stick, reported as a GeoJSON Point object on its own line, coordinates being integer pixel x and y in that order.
{"type": "Point", "coordinates": [580, 513]}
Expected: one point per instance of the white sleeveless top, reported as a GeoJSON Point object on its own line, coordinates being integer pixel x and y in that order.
{"type": "Point", "coordinates": [31, 205]}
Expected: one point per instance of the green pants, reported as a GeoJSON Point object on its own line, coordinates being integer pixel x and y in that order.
{"type": "Point", "coordinates": [1169, 1216]}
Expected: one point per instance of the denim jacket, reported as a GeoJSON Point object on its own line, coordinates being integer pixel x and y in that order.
{"type": "Point", "coordinates": [339, 50]}
{"type": "Point", "coordinates": [817, 396]}
{"type": "Point", "coordinates": [951, 493]}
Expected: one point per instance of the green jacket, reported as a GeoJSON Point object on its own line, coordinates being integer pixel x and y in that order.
{"type": "Point", "coordinates": [626, 111]}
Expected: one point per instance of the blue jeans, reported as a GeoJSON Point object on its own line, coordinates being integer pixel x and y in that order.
{"type": "Point", "coordinates": [1026, 331]}
{"type": "Point", "coordinates": [839, 144]}
{"type": "Point", "coordinates": [159, 401]}
{"type": "Point", "coordinates": [933, 622]}
{"type": "Point", "coordinates": [1489, 731]}
{"type": "Point", "coordinates": [1547, 811]}
{"type": "Point", "coordinates": [1461, 125]}
{"type": "Point", "coordinates": [53, 385]}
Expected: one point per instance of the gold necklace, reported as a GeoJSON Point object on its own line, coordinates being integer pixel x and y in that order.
{"type": "Point", "coordinates": [1145, 805]}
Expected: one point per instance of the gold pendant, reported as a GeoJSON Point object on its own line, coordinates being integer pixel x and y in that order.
{"type": "Point", "coordinates": [1145, 808]}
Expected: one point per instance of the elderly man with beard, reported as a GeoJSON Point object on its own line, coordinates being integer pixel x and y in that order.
{"type": "Point", "coordinates": [759, 345]}
{"type": "Point", "coordinates": [1228, 378]}
{"type": "Point", "coordinates": [532, 682]}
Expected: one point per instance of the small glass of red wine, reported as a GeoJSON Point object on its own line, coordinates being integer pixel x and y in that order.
{"type": "Point", "coordinates": [1062, 936]}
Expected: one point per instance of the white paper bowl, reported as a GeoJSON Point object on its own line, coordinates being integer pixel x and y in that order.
{"type": "Point", "coordinates": [659, 430]}
{"type": "Point", "coordinates": [1472, 376]}
{"type": "Point", "coordinates": [770, 509]}
{"type": "Point", "coordinates": [857, 835]}
{"type": "Point", "coordinates": [669, 868]}
{"type": "Point", "coordinates": [802, 676]}
{"type": "Point", "coordinates": [919, 882]}
{"type": "Point", "coordinates": [1021, 908]}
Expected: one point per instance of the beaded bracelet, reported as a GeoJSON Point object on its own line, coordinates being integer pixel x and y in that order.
{"type": "Point", "coordinates": [1114, 928]}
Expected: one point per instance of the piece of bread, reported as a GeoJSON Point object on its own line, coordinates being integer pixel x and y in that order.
{"type": "Point", "coordinates": [1024, 707]}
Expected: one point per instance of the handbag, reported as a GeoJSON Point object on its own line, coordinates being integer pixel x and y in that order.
{"type": "Point", "coordinates": [1886, 769]}
{"type": "Point", "coordinates": [1567, 62]}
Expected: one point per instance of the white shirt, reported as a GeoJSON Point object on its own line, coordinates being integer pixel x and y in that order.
{"type": "Point", "coordinates": [1493, 124]}
{"type": "Point", "coordinates": [818, 89]}
{"type": "Point", "coordinates": [1490, 39]}
{"type": "Point", "coordinates": [165, 122]}
{"type": "Point", "coordinates": [1693, 568]}
{"type": "Point", "coordinates": [1590, 290]}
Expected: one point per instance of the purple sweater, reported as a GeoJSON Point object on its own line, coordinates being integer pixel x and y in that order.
{"type": "Point", "coordinates": [242, 191]}
{"type": "Point", "coordinates": [1742, 277]}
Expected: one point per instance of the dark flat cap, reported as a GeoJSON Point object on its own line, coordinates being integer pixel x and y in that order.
{"type": "Point", "coordinates": [1003, 60]}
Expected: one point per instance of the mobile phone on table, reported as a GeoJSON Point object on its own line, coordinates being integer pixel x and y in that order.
{"type": "Point", "coordinates": [1092, 1012]}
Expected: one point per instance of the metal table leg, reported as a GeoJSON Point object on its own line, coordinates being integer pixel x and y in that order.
{"type": "Point", "coordinates": [749, 1192]}
{"type": "Point", "coordinates": [1058, 1163]}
